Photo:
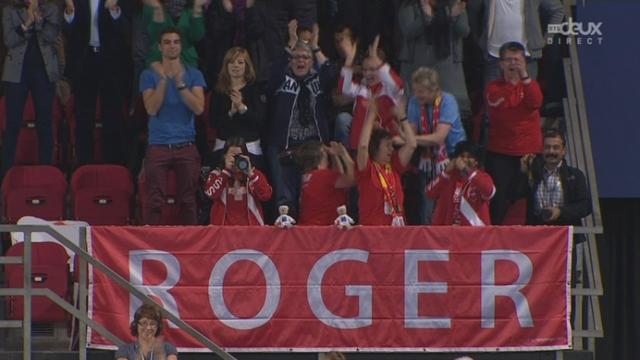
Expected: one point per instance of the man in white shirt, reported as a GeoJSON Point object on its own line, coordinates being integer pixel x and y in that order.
{"type": "Point", "coordinates": [514, 20]}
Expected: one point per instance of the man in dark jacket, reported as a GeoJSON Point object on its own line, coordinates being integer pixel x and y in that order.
{"type": "Point", "coordinates": [558, 193]}
{"type": "Point", "coordinates": [299, 112]}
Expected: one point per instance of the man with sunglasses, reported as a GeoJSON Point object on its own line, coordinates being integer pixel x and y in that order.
{"type": "Point", "coordinates": [513, 104]}
{"type": "Point", "coordinates": [299, 89]}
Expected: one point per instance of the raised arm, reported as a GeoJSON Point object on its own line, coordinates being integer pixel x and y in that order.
{"type": "Point", "coordinates": [362, 157]}
{"type": "Point", "coordinates": [406, 131]}
{"type": "Point", "coordinates": [345, 165]}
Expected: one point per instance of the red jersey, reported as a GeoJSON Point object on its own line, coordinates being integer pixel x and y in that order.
{"type": "Point", "coordinates": [385, 92]}
{"type": "Point", "coordinates": [319, 197]}
{"type": "Point", "coordinates": [461, 200]}
{"type": "Point", "coordinates": [237, 206]}
{"type": "Point", "coordinates": [371, 202]}
{"type": "Point", "coordinates": [514, 118]}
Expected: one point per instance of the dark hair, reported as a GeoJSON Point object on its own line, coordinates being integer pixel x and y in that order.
{"type": "Point", "coordinates": [149, 311]}
{"type": "Point", "coordinates": [471, 148]}
{"type": "Point", "coordinates": [511, 46]}
{"type": "Point", "coordinates": [169, 30]}
{"type": "Point", "coordinates": [309, 155]}
{"type": "Point", "coordinates": [377, 135]}
{"type": "Point", "coordinates": [553, 133]}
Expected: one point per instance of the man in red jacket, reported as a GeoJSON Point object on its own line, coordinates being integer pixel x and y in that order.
{"type": "Point", "coordinates": [463, 191]}
{"type": "Point", "coordinates": [513, 104]}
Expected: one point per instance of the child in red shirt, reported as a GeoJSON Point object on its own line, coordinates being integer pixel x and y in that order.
{"type": "Point", "coordinates": [328, 173]}
{"type": "Point", "coordinates": [463, 191]}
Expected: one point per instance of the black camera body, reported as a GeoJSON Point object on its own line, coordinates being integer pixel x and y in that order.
{"type": "Point", "coordinates": [545, 214]}
{"type": "Point", "coordinates": [242, 163]}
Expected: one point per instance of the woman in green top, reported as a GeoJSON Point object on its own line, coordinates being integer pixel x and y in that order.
{"type": "Point", "coordinates": [189, 21]}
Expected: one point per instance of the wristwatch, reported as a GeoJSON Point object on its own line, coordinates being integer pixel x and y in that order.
{"type": "Point", "coordinates": [243, 109]}
{"type": "Point", "coordinates": [181, 87]}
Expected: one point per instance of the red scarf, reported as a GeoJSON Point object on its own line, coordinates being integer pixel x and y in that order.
{"type": "Point", "coordinates": [434, 158]}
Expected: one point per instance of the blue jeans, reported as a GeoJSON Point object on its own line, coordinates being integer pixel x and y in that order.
{"type": "Point", "coordinates": [343, 128]}
{"type": "Point", "coordinates": [425, 204]}
{"type": "Point", "coordinates": [42, 91]}
{"type": "Point", "coordinates": [286, 181]}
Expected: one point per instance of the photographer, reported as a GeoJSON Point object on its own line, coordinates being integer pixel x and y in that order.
{"type": "Point", "coordinates": [557, 193]}
{"type": "Point", "coordinates": [237, 189]}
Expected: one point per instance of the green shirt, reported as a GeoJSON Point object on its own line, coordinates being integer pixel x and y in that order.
{"type": "Point", "coordinates": [191, 29]}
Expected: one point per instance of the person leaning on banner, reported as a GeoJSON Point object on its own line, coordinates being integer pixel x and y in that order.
{"type": "Point", "coordinates": [146, 327]}
{"type": "Point", "coordinates": [557, 193]}
{"type": "Point", "coordinates": [328, 174]}
{"type": "Point", "coordinates": [379, 168]}
{"type": "Point", "coordinates": [237, 188]}
{"type": "Point", "coordinates": [463, 191]}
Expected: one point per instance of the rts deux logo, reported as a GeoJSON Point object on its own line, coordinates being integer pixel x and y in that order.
{"type": "Point", "coordinates": [583, 33]}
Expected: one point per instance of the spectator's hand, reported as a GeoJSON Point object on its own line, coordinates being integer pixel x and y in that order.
{"type": "Point", "coordinates": [230, 158]}
{"type": "Point", "coordinates": [293, 32]}
{"type": "Point", "coordinates": [111, 5]}
{"type": "Point", "coordinates": [236, 99]}
{"type": "Point", "coordinates": [69, 7]}
{"type": "Point", "coordinates": [250, 3]}
{"type": "Point", "coordinates": [525, 162]}
{"type": "Point", "coordinates": [555, 214]}
{"type": "Point", "coordinates": [458, 8]}
{"type": "Point", "coordinates": [315, 36]}
{"type": "Point", "coordinates": [521, 66]}
{"type": "Point", "coordinates": [348, 49]}
{"type": "Point", "coordinates": [158, 68]}
{"type": "Point", "coordinates": [198, 5]}
{"type": "Point", "coordinates": [227, 5]}
{"type": "Point", "coordinates": [426, 7]}
{"type": "Point", "coordinates": [450, 166]}
{"type": "Point", "coordinates": [400, 110]}
{"type": "Point", "coordinates": [373, 52]}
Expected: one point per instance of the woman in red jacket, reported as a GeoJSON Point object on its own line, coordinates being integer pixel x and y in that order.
{"type": "Point", "coordinates": [237, 189]}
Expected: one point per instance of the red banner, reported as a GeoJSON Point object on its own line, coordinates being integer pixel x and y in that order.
{"type": "Point", "coordinates": [317, 288]}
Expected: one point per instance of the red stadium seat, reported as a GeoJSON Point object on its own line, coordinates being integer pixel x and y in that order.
{"type": "Point", "coordinates": [50, 269]}
{"type": "Point", "coordinates": [102, 194]}
{"type": "Point", "coordinates": [171, 209]}
{"type": "Point", "coordinates": [27, 144]}
{"type": "Point", "coordinates": [36, 190]}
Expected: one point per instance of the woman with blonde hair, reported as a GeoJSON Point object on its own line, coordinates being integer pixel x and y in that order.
{"type": "Point", "coordinates": [238, 106]}
{"type": "Point", "coordinates": [146, 327]}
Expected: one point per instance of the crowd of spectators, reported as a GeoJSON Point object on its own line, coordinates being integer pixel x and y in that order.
{"type": "Point", "coordinates": [314, 104]}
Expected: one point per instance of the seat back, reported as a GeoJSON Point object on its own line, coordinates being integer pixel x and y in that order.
{"type": "Point", "coordinates": [36, 190]}
{"type": "Point", "coordinates": [50, 270]}
{"type": "Point", "coordinates": [102, 194]}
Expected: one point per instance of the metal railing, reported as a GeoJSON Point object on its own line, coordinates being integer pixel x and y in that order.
{"type": "Point", "coordinates": [587, 322]}
{"type": "Point", "coordinates": [27, 292]}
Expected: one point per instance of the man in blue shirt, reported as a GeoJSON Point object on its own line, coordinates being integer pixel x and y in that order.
{"type": "Point", "coordinates": [436, 117]}
{"type": "Point", "coordinates": [173, 95]}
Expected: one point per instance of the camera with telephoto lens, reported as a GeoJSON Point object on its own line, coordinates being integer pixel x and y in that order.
{"type": "Point", "coordinates": [241, 163]}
